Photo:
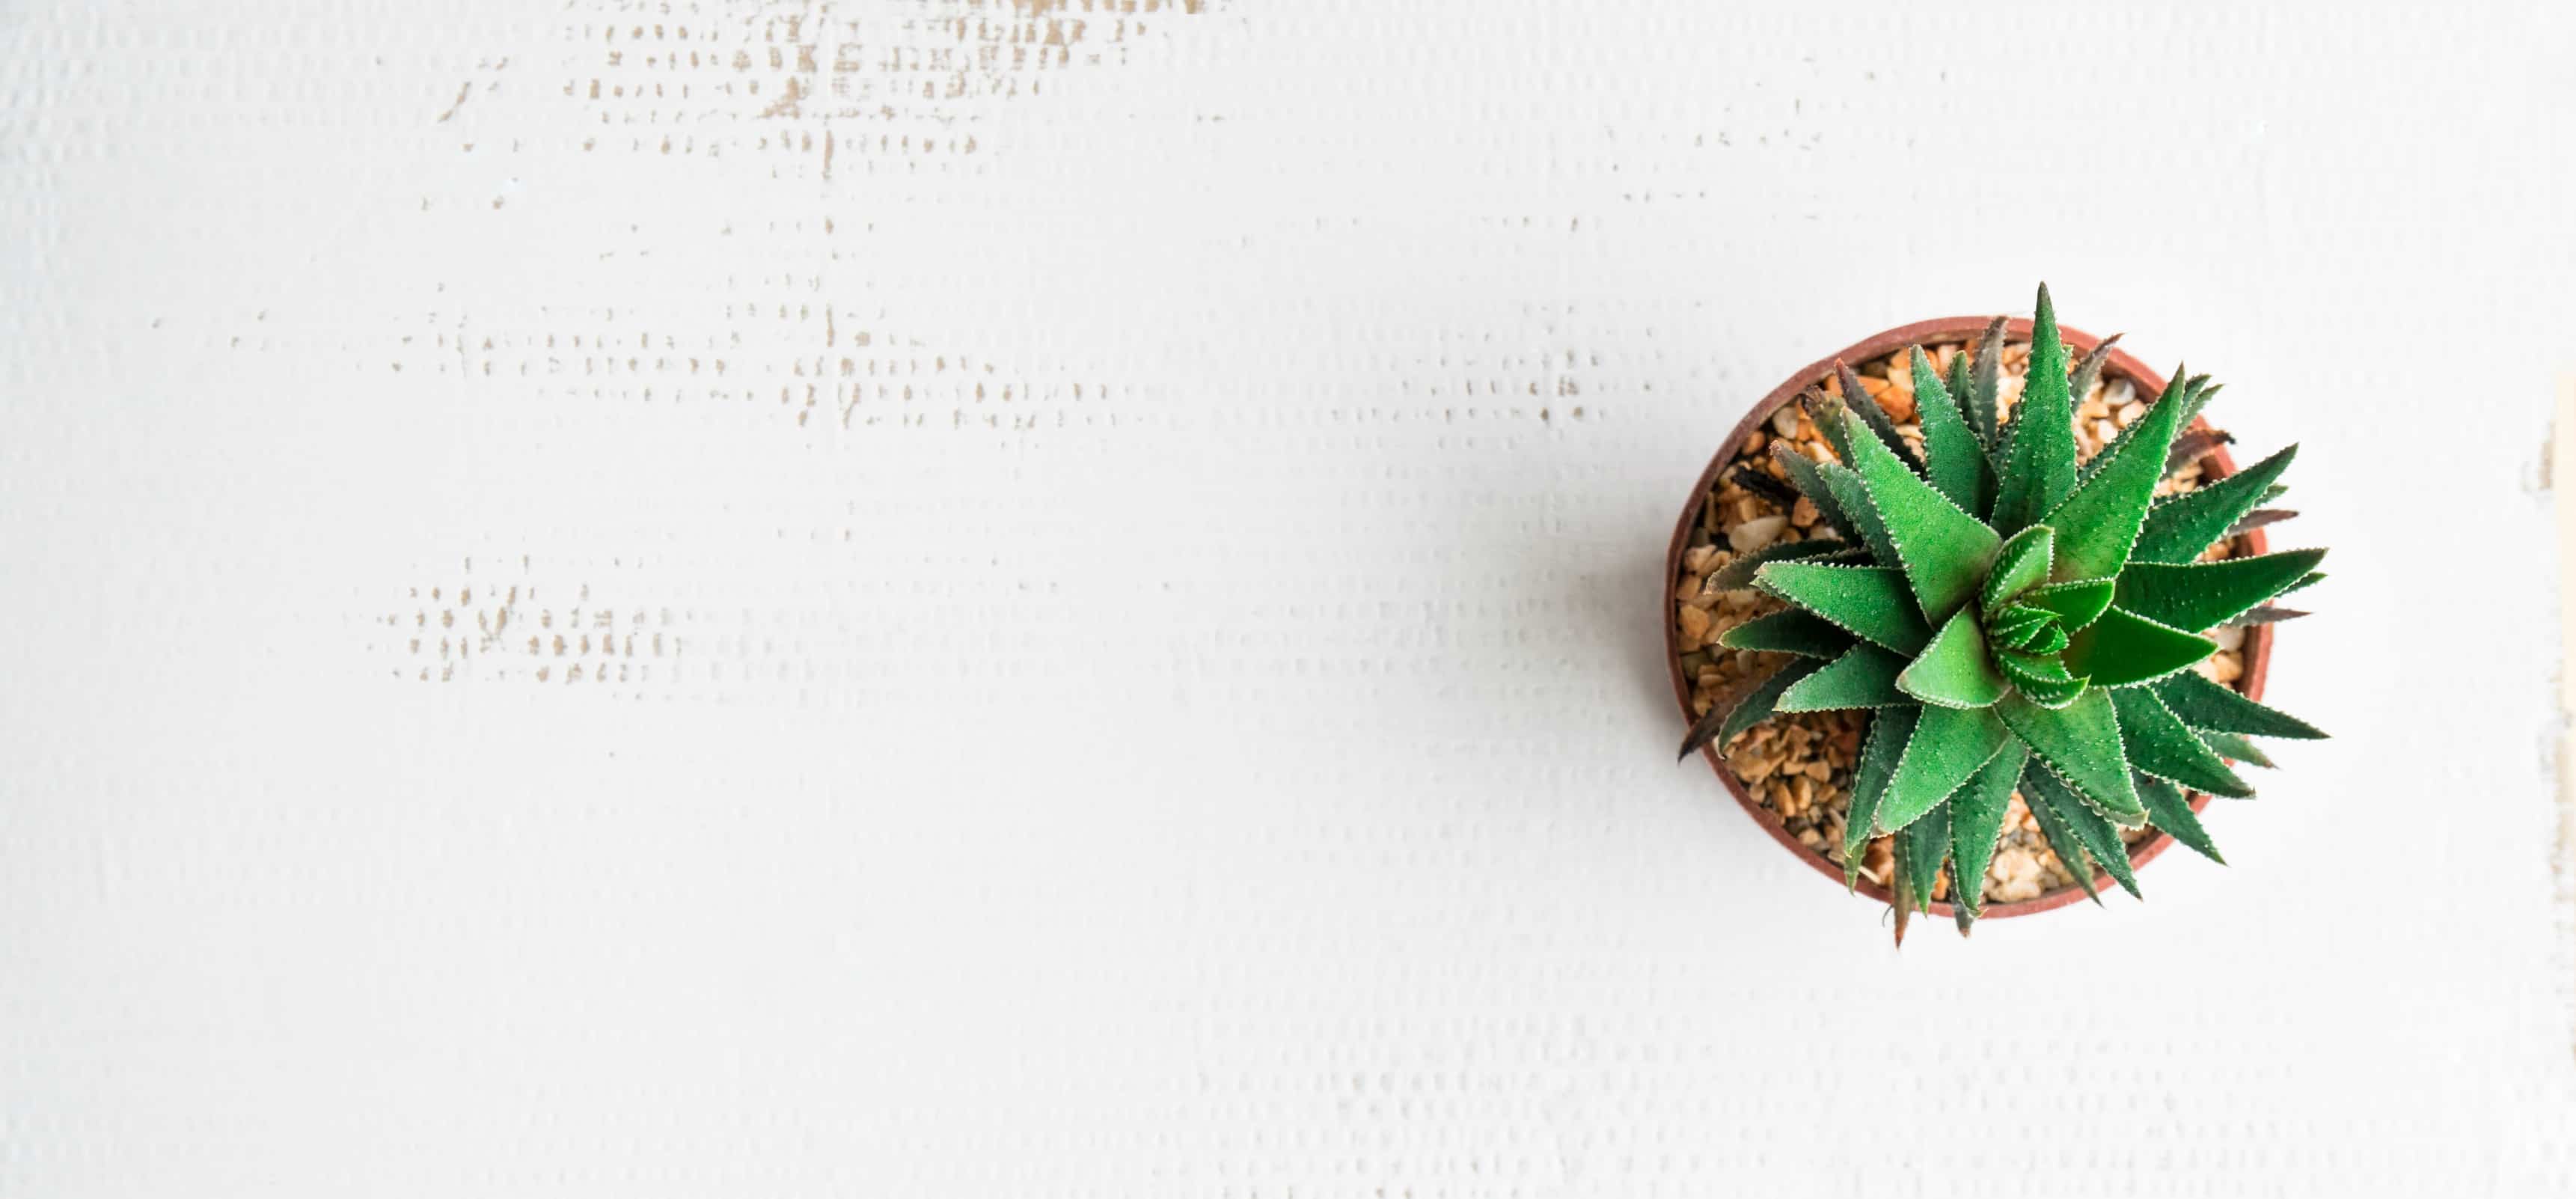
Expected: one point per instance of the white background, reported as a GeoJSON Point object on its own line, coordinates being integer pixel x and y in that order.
{"type": "Point", "coordinates": [1161, 687]}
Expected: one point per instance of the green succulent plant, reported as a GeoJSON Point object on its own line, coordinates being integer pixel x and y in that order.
{"type": "Point", "coordinates": [2012, 618]}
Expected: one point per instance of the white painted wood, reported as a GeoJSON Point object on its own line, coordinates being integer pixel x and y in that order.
{"type": "Point", "coordinates": [1130, 546]}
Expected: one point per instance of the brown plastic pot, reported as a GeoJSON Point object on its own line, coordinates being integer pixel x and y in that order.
{"type": "Point", "coordinates": [2257, 649]}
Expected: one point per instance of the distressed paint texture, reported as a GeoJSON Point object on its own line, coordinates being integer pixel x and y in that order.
{"type": "Point", "coordinates": [1060, 598]}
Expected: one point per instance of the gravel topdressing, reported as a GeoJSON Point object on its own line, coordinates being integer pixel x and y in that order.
{"type": "Point", "coordinates": [1799, 765]}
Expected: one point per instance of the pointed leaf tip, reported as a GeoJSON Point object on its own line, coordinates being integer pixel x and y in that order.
{"type": "Point", "coordinates": [1889, 730]}
{"type": "Point", "coordinates": [1728, 717]}
{"type": "Point", "coordinates": [1948, 745]}
{"type": "Point", "coordinates": [1954, 671]}
{"type": "Point", "coordinates": [2123, 648]}
{"type": "Point", "coordinates": [1807, 476]}
{"type": "Point", "coordinates": [1985, 383]}
{"type": "Point", "coordinates": [2100, 839]}
{"type": "Point", "coordinates": [1871, 602]}
{"type": "Point", "coordinates": [2204, 704]}
{"type": "Point", "coordinates": [2158, 744]}
{"type": "Point", "coordinates": [2195, 445]}
{"type": "Point", "coordinates": [2100, 519]}
{"type": "Point", "coordinates": [1739, 571]}
{"type": "Point", "coordinates": [1826, 412]}
{"type": "Point", "coordinates": [1789, 631]}
{"type": "Point", "coordinates": [2088, 369]}
{"type": "Point", "coordinates": [1954, 460]}
{"type": "Point", "coordinates": [2236, 747]}
{"type": "Point", "coordinates": [1944, 550]}
{"type": "Point", "coordinates": [2076, 604]}
{"type": "Point", "coordinates": [1863, 677]}
{"type": "Point", "coordinates": [2020, 564]}
{"type": "Point", "coordinates": [2203, 595]}
{"type": "Point", "coordinates": [1873, 415]}
{"type": "Point", "coordinates": [2039, 465]}
{"type": "Point", "coordinates": [1923, 846]}
{"type": "Point", "coordinates": [2167, 809]}
{"type": "Point", "coordinates": [2180, 529]}
{"type": "Point", "coordinates": [2081, 744]}
{"type": "Point", "coordinates": [2040, 678]}
{"type": "Point", "coordinates": [1977, 814]}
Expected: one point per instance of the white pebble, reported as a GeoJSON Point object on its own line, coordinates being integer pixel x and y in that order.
{"type": "Point", "coordinates": [1753, 534]}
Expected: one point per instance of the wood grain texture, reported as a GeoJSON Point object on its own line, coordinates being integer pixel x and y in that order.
{"type": "Point", "coordinates": [1155, 512]}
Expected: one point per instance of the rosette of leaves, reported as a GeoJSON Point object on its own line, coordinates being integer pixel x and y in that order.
{"type": "Point", "coordinates": [2012, 619]}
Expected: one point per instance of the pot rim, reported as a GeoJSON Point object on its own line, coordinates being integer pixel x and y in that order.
{"type": "Point", "coordinates": [2257, 649]}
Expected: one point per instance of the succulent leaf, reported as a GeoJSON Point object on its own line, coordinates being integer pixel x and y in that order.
{"type": "Point", "coordinates": [1866, 406]}
{"type": "Point", "coordinates": [1755, 705]}
{"type": "Point", "coordinates": [2216, 707]}
{"type": "Point", "coordinates": [2016, 621]}
{"type": "Point", "coordinates": [1954, 671]}
{"type": "Point", "coordinates": [2261, 518]}
{"type": "Point", "coordinates": [1889, 730]}
{"type": "Point", "coordinates": [2061, 839]}
{"type": "Point", "coordinates": [2044, 638]}
{"type": "Point", "coordinates": [2100, 839]}
{"type": "Point", "coordinates": [2124, 648]}
{"type": "Point", "coordinates": [2168, 810]}
{"type": "Point", "coordinates": [2101, 517]}
{"type": "Point", "coordinates": [1852, 496]}
{"type": "Point", "coordinates": [1948, 745]}
{"type": "Point", "coordinates": [2081, 743]}
{"type": "Point", "coordinates": [2197, 396]}
{"type": "Point", "coordinates": [2026, 629]}
{"type": "Point", "coordinates": [1977, 813]}
{"type": "Point", "coordinates": [2077, 604]}
{"type": "Point", "coordinates": [2088, 369]}
{"type": "Point", "coordinates": [2235, 747]}
{"type": "Point", "coordinates": [1923, 845]}
{"type": "Point", "coordinates": [1827, 414]}
{"type": "Point", "coordinates": [2203, 595]}
{"type": "Point", "coordinates": [2176, 390]}
{"type": "Point", "coordinates": [2195, 445]}
{"type": "Point", "coordinates": [1810, 481]}
{"type": "Point", "coordinates": [1870, 602]}
{"type": "Point", "coordinates": [1985, 385]}
{"type": "Point", "coordinates": [1762, 484]}
{"type": "Point", "coordinates": [2158, 744]}
{"type": "Point", "coordinates": [2039, 469]}
{"type": "Point", "coordinates": [1945, 551]}
{"type": "Point", "coordinates": [1953, 460]}
{"type": "Point", "coordinates": [2021, 564]}
{"type": "Point", "coordinates": [2182, 528]}
{"type": "Point", "coordinates": [1863, 677]}
{"type": "Point", "coordinates": [2040, 678]}
{"type": "Point", "coordinates": [1789, 631]}
{"type": "Point", "coordinates": [1959, 385]}
{"type": "Point", "coordinates": [1738, 573]}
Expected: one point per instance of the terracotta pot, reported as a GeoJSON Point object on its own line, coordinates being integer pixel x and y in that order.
{"type": "Point", "coordinates": [2257, 650]}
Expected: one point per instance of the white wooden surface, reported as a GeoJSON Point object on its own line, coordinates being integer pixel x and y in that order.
{"type": "Point", "coordinates": [1130, 544]}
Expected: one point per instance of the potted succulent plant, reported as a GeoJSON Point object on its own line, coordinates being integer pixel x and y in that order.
{"type": "Point", "coordinates": [1987, 610]}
